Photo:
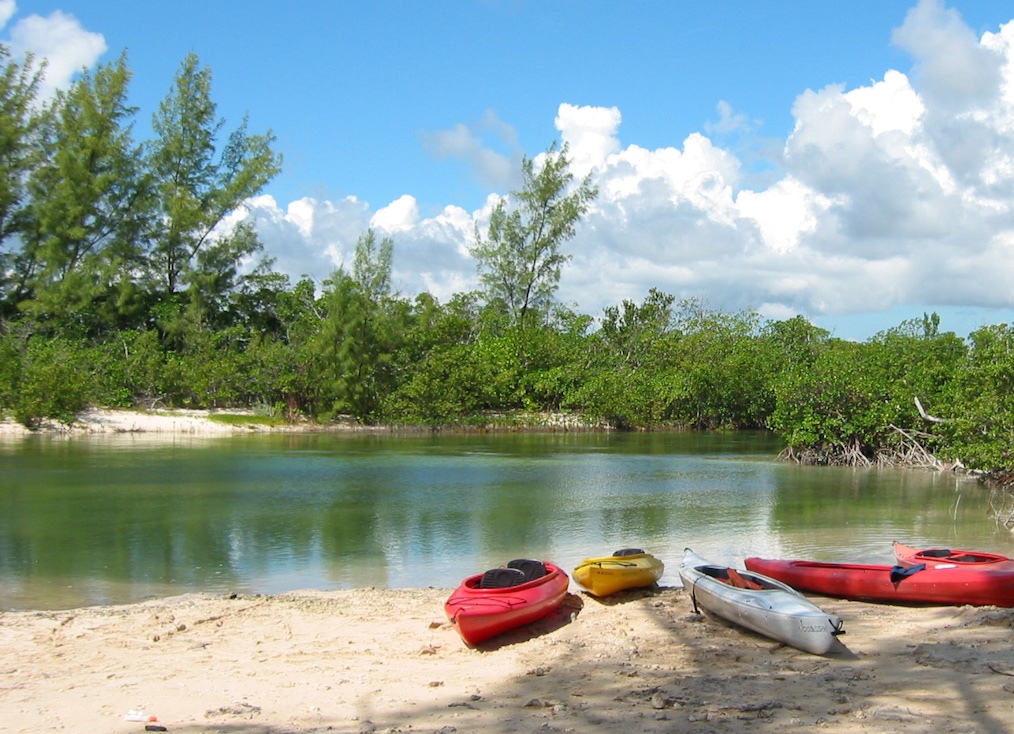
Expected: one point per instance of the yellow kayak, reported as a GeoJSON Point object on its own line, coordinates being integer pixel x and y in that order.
{"type": "Point", "coordinates": [629, 568]}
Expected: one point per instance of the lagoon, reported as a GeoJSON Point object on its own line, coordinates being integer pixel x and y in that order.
{"type": "Point", "coordinates": [110, 519]}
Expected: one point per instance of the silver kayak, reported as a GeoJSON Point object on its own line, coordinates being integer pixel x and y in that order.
{"type": "Point", "coordinates": [759, 603]}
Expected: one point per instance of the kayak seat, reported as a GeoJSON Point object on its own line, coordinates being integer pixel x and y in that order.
{"type": "Point", "coordinates": [501, 578]}
{"type": "Point", "coordinates": [936, 553]}
{"type": "Point", "coordinates": [530, 568]}
{"type": "Point", "coordinates": [628, 552]}
{"type": "Point", "coordinates": [735, 579]}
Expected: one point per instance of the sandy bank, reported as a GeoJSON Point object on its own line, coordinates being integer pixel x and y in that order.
{"type": "Point", "coordinates": [201, 423]}
{"type": "Point", "coordinates": [180, 422]}
{"type": "Point", "coordinates": [387, 661]}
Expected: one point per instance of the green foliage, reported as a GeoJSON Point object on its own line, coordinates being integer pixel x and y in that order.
{"type": "Point", "coordinates": [142, 365]}
{"type": "Point", "coordinates": [10, 371]}
{"type": "Point", "coordinates": [20, 152]}
{"type": "Point", "coordinates": [625, 398]}
{"type": "Point", "coordinates": [794, 342]}
{"type": "Point", "coordinates": [723, 378]}
{"type": "Point", "coordinates": [630, 332]}
{"type": "Point", "coordinates": [851, 397]}
{"type": "Point", "coordinates": [979, 412]}
{"type": "Point", "coordinates": [439, 375]}
{"type": "Point", "coordinates": [195, 192]}
{"type": "Point", "coordinates": [430, 325]}
{"type": "Point", "coordinates": [50, 380]}
{"type": "Point", "coordinates": [835, 407]}
{"type": "Point", "coordinates": [273, 376]}
{"type": "Point", "coordinates": [520, 259]}
{"type": "Point", "coordinates": [553, 360]}
{"type": "Point", "coordinates": [351, 355]}
{"type": "Point", "coordinates": [499, 360]}
{"type": "Point", "coordinates": [89, 206]}
{"type": "Point", "coordinates": [661, 363]}
{"type": "Point", "coordinates": [109, 229]}
{"type": "Point", "coordinates": [213, 368]}
{"type": "Point", "coordinates": [628, 378]}
{"type": "Point", "coordinates": [452, 381]}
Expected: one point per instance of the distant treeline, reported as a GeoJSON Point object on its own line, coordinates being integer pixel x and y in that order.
{"type": "Point", "coordinates": [652, 365]}
{"type": "Point", "coordinates": [119, 287]}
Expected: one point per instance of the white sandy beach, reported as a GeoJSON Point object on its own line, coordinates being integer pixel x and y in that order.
{"type": "Point", "coordinates": [162, 422]}
{"type": "Point", "coordinates": [371, 660]}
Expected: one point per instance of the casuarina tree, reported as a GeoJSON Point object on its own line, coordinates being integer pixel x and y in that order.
{"type": "Point", "coordinates": [520, 258]}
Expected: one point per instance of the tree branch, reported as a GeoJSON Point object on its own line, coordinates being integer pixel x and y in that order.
{"type": "Point", "coordinates": [927, 416]}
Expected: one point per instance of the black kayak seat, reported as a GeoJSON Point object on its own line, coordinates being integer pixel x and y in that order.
{"type": "Point", "coordinates": [628, 552]}
{"type": "Point", "coordinates": [936, 553]}
{"type": "Point", "coordinates": [531, 569]}
{"type": "Point", "coordinates": [501, 578]}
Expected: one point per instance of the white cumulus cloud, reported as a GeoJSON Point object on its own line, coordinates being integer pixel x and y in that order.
{"type": "Point", "coordinates": [489, 149]}
{"type": "Point", "coordinates": [59, 39]}
{"type": "Point", "coordinates": [7, 10]}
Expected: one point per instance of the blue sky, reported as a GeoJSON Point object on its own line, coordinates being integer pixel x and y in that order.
{"type": "Point", "coordinates": [852, 162]}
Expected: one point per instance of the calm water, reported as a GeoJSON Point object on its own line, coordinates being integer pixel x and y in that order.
{"type": "Point", "coordinates": [116, 519]}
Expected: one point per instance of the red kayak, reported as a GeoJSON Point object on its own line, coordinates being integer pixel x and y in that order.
{"type": "Point", "coordinates": [947, 584]}
{"type": "Point", "coordinates": [977, 560]}
{"type": "Point", "coordinates": [490, 603]}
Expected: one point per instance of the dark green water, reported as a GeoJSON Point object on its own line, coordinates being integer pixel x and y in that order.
{"type": "Point", "coordinates": [89, 520]}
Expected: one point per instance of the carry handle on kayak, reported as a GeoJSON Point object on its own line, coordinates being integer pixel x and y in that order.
{"type": "Point", "coordinates": [898, 573]}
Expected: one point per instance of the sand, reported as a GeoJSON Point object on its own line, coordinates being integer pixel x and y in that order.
{"type": "Point", "coordinates": [152, 422]}
{"type": "Point", "coordinates": [374, 660]}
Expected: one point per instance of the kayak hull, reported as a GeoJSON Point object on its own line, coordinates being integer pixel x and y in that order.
{"type": "Point", "coordinates": [479, 614]}
{"type": "Point", "coordinates": [612, 574]}
{"type": "Point", "coordinates": [942, 585]}
{"type": "Point", "coordinates": [775, 610]}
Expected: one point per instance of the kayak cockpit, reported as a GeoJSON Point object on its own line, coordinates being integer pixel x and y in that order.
{"type": "Point", "coordinates": [737, 579]}
{"type": "Point", "coordinates": [515, 573]}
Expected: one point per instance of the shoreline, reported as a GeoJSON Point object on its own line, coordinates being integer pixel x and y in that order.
{"type": "Point", "coordinates": [170, 421]}
{"type": "Point", "coordinates": [180, 421]}
{"type": "Point", "coordinates": [374, 660]}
